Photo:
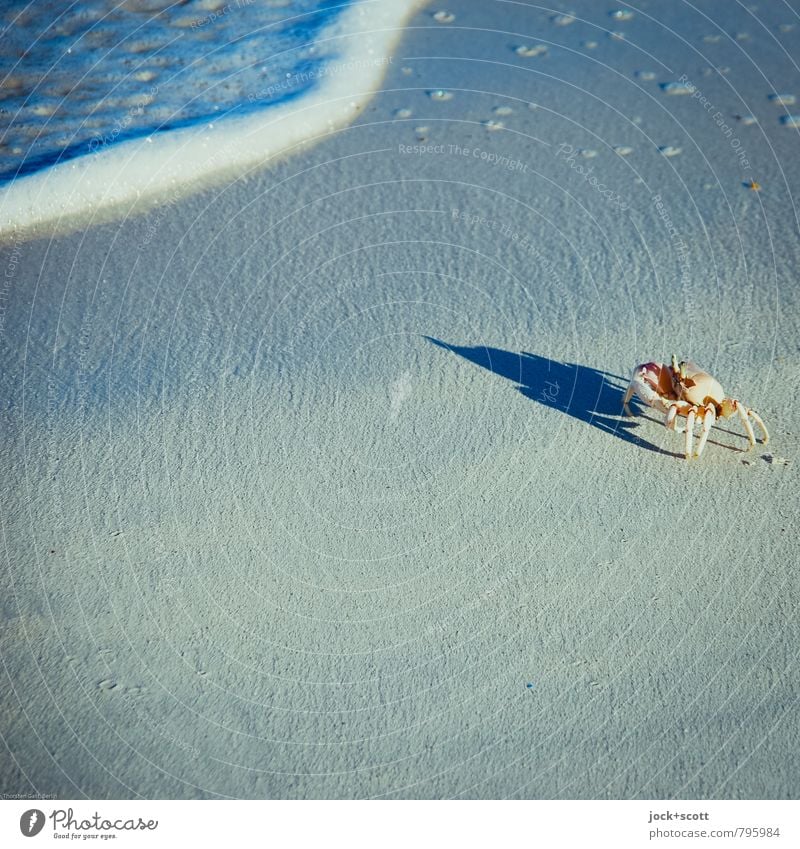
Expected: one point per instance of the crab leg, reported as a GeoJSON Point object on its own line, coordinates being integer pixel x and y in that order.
{"type": "Point", "coordinates": [628, 396]}
{"type": "Point", "coordinates": [761, 424]}
{"type": "Point", "coordinates": [689, 433]}
{"type": "Point", "coordinates": [742, 411]}
{"type": "Point", "coordinates": [670, 422]}
{"type": "Point", "coordinates": [709, 417]}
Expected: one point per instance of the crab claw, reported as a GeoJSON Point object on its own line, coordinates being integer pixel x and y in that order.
{"type": "Point", "coordinates": [658, 378]}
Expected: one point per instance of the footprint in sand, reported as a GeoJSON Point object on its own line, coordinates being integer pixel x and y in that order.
{"type": "Point", "coordinates": [529, 50]}
{"type": "Point", "coordinates": [783, 99]}
{"type": "Point", "coordinates": [677, 88]}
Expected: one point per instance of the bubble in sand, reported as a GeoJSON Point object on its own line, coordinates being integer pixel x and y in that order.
{"type": "Point", "coordinates": [493, 125]}
{"type": "Point", "coordinates": [587, 153]}
{"type": "Point", "coordinates": [529, 50]}
{"type": "Point", "coordinates": [443, 17]}
{"type": "Point", "coordinates": [402, 113]}
{"type": "Point", "coordinates": [669, 150]}
{"type": "Point", "coordinates": [590, 45]}
{"type": "Point", "coordinates": [502, 110]}
{"type": "Point", "coordinates": [790, 120]}
{"type": "Point", "coordinates": [422, 133]}
{"type": "Point", "coordinates": [440, 95]}
{"type": "Point", "coordinates": [677, 88]}
{"type": "Point", "coordinates": [783, 99]}
{"type": "Point", "coordinates": [563, 20]}
{"type": "Point", "coordinates": [623, 150]}
{"type": "Point", "coordinates": [621, 14]}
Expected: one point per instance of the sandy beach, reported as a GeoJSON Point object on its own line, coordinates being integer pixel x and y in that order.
{"type": "Point", "coordinates": [317, 482]}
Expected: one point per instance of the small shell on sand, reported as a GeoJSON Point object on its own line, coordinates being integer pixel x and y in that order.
{"type": "Point", "coordinates": [669, 150]}
{"type": "Point", "coordinates": [783, 99]}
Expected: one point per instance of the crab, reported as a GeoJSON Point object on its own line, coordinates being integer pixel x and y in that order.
{"type": "Point", "coordinates": [684, 389]}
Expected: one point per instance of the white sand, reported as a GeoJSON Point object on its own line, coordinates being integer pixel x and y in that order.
{"type": "Point", "coordinates": [264, 538]}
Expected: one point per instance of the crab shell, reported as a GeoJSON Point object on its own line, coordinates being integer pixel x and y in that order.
{"type": "Point", "coordinates": [698, 387]}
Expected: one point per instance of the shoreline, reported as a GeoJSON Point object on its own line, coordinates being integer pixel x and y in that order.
{"type": "Point", "coordinates": [140, 174]}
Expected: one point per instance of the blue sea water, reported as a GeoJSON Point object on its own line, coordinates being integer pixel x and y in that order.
{"type": "Point", "coordinates": [80, 77]}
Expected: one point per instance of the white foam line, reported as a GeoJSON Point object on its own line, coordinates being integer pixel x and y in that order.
{"type": "Point", "coordinates": [69, 194]}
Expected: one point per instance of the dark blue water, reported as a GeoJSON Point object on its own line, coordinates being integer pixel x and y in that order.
{"type": "Point", "coordinates": [78, 78]}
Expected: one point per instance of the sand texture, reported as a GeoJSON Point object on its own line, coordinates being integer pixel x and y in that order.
{"type": "Point", "coordinates": [316, 484]}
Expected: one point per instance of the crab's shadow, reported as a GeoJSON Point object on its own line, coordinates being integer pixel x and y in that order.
{"type": "Point", "coordinates": [582, 392]}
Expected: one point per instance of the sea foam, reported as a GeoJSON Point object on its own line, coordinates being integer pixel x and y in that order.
{"type": "Point", "coordinates": [111, 104]}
